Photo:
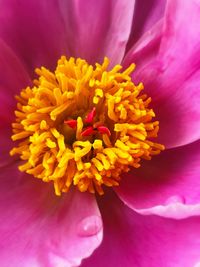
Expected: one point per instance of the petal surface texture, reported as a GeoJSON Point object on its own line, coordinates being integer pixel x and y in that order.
{"type": "Point", "coordinates": [170, 72]}
{"type": "Point", "coordinates": [134, 240]}
{"type": "Point", "coordinates": [90, 30]}
{"type": "Point", "coordinates": [34, 30]}
{"type": "Point", "coordinates": [12, 79]}
{"type": "Point", "coordinates": [147, 13]}
{"type": "Point", "coordinates": [96, 29]}
{"type": "Point", "coordinates": [168, 185]}
{"type": "Point", "coordinates": [39, 229]}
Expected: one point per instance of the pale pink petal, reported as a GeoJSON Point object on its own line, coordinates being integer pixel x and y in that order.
{"type": "Point", "coordinates": [12, 79]}
{"type": "Point", "coordinates": [167, 185]}
{"type": "Point", "coordinates": [133, 240]}
{"type": "Point", "coordinates": [35, 31]}
{"type": "Point", "coordinates": [171, 76]}
{"type": "Point", "coordinates": [39, 229]}
{"type": "Point", "coordinates": [146, 14]}
{"type": "Point", "coordinates": [96, 29]}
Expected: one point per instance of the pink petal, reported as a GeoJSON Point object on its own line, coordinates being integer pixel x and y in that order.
{"type": "Point", "coordinates": [39, 229]}
{"type": "Point", "coordinates": [96, 29]}
{"type": "Point", "coordinates": [171, 76]}
{"type": "Point", "coordinates": [146, 48]}
{"type": "Point", "coordinates": [13, 78]}
{"type": "Point", "coordinates": [179, 114]}
{"type": "Point", "coordinates": [6, 144]}
{"type": "Point", "coordinates": [146, 14]}
{"type": "Point", "coordinates": [167, 185]}
{"type": "Point", "coordinates": [35, 31]}
{"type": "Point", "coordinates": [132, 240]}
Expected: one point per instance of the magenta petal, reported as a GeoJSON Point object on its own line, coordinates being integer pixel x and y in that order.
{"type": "Point", "coordinates": [96, 29]}
{"type": "Point", "coordinates": [6, 144]}
{"type": "Point", "coordinates": [145, 49]}
{"type": "Point", "coordinates": [169, 69]}
{"type": "Point", "coordinates": [179, 114]}
{"type": "Point", "coordinates": [147, 13]}
{"type": "Point", "coordinates": [132, 240]}
{"type": "Point", "coordinates": [39, 229]}
{"type": "Point", "coordinates": [34, 30]}
{"type": "Point", "coordinates": [177, 59]}
{"type": "Point", "coordinates": [168, 185]}
{"type": "Point", "coordinates": [12, 79]}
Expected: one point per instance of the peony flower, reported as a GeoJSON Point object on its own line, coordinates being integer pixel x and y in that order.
{"type": "Point", "coordinates": [50, 215]}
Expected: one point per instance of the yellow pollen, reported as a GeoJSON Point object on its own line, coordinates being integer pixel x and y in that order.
{"type": "Point", "coordinates": [83, 125]}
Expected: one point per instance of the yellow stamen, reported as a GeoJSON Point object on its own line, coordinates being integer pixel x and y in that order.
{"type": "Point", "coordinates": [55, 152]}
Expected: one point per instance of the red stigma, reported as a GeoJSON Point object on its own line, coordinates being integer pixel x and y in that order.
{"type": "Point", "coordinates": [88, 131]}
{"type": "Point", "coordinates": [71, 123]}
{"type": "Point", "coordinates": [90, 116]}
{"type": "Point", "coordinates": [104, 130]}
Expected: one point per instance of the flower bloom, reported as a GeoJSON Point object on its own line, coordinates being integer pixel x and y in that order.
{"type": "Point", "coordinates": [83, 139]}
{"type": "Point", "coordinates": [83, 126]}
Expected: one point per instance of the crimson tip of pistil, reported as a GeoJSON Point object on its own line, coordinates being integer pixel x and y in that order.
{"type": "Point", "coordinates": [104, 130]}
{"type": "Point", "coordinates": [88, 131]}
{"type": "Point", "coordinates": [71, 123]}
{"type": "Point", "coordinates": [90, 116]}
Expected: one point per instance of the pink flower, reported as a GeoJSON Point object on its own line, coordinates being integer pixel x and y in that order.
{"type": "Point", "coordinates": [155, 221]}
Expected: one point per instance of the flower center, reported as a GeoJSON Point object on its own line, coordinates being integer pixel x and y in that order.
{"type": "Point", "coordinates": [83, 125]}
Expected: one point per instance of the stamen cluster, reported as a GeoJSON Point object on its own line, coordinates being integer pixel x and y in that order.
{"type": "Point", "coordinates": [83, 125]}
